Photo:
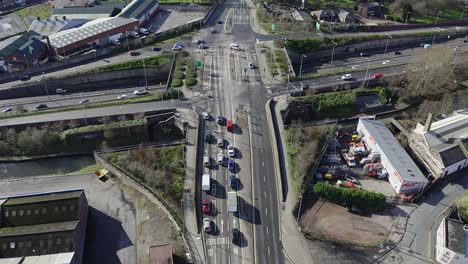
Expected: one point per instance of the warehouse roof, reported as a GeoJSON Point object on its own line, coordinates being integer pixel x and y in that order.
{"type": "Point", "coordinates": [88, 30]}
{"type": "Point", "coordinates": [43, 197]}
{"type": "Point", "coordinates": [138, 8]}
{"type": "Point", "coordinates": [401, 161]}
{"type": "Point", "coordinates": [98, 11]}
{"type": "Point", "coordinates": [38, 229]}
{"type": "Point", "coordinates": [47, 27]}
{"type": "Point", "coordinates": [449, 153]}
{"type": "Point", "coordinates": [454, 126]}
{"type": "Point", "coordinates": [16, 44]}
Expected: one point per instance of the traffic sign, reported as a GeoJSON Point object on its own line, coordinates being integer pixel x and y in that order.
{"type": "Point", "coordinates": [273, 27]}
{"type": "Point", "coordinates": [198, 63]}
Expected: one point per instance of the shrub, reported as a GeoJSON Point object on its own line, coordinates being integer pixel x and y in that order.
{"type": "Point", "coordinates": [177, 83]}
{"type": "Point", "coordinates": [339, 195]}
{"type": "Point", "coordinates": [191, 74]}
{"type": "Point", "coordinates": [181, 68]}
{"type": "Point", "coordinates": [179, 75]}
{"type": "Point", "coordinates": [156, 60]}
{"type": "Point", "coordinates": [191, 82]}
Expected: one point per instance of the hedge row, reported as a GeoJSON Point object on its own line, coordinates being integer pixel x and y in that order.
{"type": "Point", "coordinates": [340, 195]}
{"type": "Point", "coordinates": [119, 124]}
{"type": "Point", "coordinates": [156, 60]}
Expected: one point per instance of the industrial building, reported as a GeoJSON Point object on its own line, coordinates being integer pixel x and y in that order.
{"type": "Point", "coordinates": [141, 10]}
{"type": "Point", "coordinates": [403, 174]}
{"type": "Point", "coordinates": [44, 224]}
{"type": "Point", "coordinates": [451, 240]}
{"type": "Point", "coordinates": [442, 146]}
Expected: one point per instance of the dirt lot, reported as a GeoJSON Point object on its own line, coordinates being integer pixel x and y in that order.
{"type": "Point", "coordinates": [334, 222]}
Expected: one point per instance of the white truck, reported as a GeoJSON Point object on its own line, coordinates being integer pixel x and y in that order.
{"type": "Point", "coordinates": [206, 182]}
{"type": "Point", "coordinates": [232, 202]}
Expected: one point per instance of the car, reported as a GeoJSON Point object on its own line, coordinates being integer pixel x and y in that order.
{"type": "Point", "coordinates": [231, 165]}
{"type": "Point", "coordinates": [207, 225]}
{"type": "Point", "coordinates": [115, 41]}
{"type": "Point", "coordinates": [208, 138]}
{"type": "Point", "coordinates": [206, 206]}
{"type": "Point", "coordinates": [220, 158]}
{"type": "Point", "coordinates": [231, 150]}
{"type": "Point", "coordinates": [193, 4]}
{"type": "Point", "coordinates": [134, 34]}
{"type": "Point", "coordinates": [41, 106]}
{"type": "Point", "coordinates": [206, 116]}
{"type": "Point", "coordinates": [378, 75]}
{"type": "Point", "coordinates": [8, 109]}
{"type": "Point", "coordinates": [234, 46]}
{"type": "Point", "coordinates": [202, 46]}
{"type": "Point", "coordinates": [220, 142]}
{"type": "Point", "coordinates": [24, 78]}
{"type": "Point", "coordinates": [220, 120]}
{"type": "Point", "coordinates": [235, 236]}
{"type": "Point", "coordinates": [346, 77]}
{"type": "Point", "coordinates": [60, 91]}
{"type": "Point", "coordinates": [123, 96]}
{"type": "Point", "coordinates": [427, 46]}
{"type": "Point", "coordinates": [156, 49]}
{"type": "Point", "coordinates": [144, 31]}
{"type": "Point", "coordinates": [179, 44]}
{"type": "Point", "coordinates": [251, 66]}
{"type": "Point", "coordinates": [363, 54]}
{"type": "Point", "coordinates": [140, 92]}
{"type": "Point", "coordinates": [200, 41]}
{"type": "Point", "coordinates": [134, 53]}
{"type": "Point", "coordinates": [220, 21]}
{"type": "Point", "coordinates": [229, 126]}
{"type": "Point", "coordinates": [355, 210]}
{"type": "Point", "coordinates": [233, 181]}
{"type": "Point", "coordinates": [355, 66]}
{"type": "Point", "coordinates": [85, 101]}
{"type": "Point", "coordinates": [177, 48]}
{"type": "Point", "coordinates": [214, 31]}
{"type": "Point", "coordinates": [386, 62]}
{"type": "Point", "coordinates": [397, 52]}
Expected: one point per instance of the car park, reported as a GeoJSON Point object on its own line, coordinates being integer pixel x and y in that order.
{"type": "Point", "coordinates": [140, 92]}
{"type": "Point", "coordinates": [207, 225]}
{"type": "Point", "coordinates": [85, 101]}
{"type": "Point", "coordinates": [346, 77]}
{"type": "Point", "coordinates": [235, 236]}
{"type": "Point", "coordinates": [206, 116]}
{"type": "Point", "coordinates": [41, 106]}
{"type": "Point", "coordinates": [123, 96]}
{"type": "Point", "coordinates": [231, 151]}
{"type": "Point", "coordinates": [8, 109]}
{"type": "Point", "coordinates": [231, 165]}
{"type": "Point", "coordinates": [233, 181]}
{"type": "Point", "coordinates": [378, 75]}
{"type": "Point", "coordinates": [206, 206]}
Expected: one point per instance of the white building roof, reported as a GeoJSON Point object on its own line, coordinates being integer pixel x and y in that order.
{"type": "Point", "coordinates": [398, 156]}
{"type": "Point", "coordinates": [60, 258]}
{"type": "Point", "coordinates": [90, 29]}
{"type": "Point", "coordinates": [452, 127]}
{"type": "Point", "coordinates": [47, 27]}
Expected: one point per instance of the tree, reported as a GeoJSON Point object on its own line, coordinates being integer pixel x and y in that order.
{"type": "Point", "coordinates": [400, 9]}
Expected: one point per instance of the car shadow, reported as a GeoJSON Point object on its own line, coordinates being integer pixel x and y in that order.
{"type": "Point", "coordinates": [236, 129]}
{"type": "Point", "coordinates": [243, 241]}
{"type": "Point", "coordinates": [238, 154]}
{"type": "Point", "coordinates": [248, 212]}
{"type": "Point", "coordinates": [217, 190]}
{"type": "Point", "coordinates": [240, 185]}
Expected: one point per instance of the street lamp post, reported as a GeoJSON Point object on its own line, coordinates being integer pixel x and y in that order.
{"type": "Point", "coordinates": [367, 71]}
{"type": "Point", "coordinates": [406, 20]}
{"type": "Point", "coordinates": [461, 17]}
{"type": "Point", "coordinates": [433, 38]}
{"type": "Point", "coordinates": [144, 72]}
{"type": "Point", "coordinates": [386, 45]}
{"type": "Point", "coordinates": [43, 78]}
{"type": "Point", "coordinates": [27, 64]}
{"type": "Point", "coordinates": [333, 51]}
{"type": "Point", "coordinates": [437, 18]}
{"type": "Point", "coordinates": [128, 43]}
{"type": "Point", "coordinates": [300, 68]}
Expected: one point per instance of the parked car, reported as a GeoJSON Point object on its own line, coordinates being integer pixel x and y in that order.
{"type": "Point", "coordinates": [397, 52]}
{"type": "Point", "coordinates": [235, 236]}
{"type": "Point", "coordinates": [355, 210]}
{"type": "Point", "coordinates": [231, 165]}
{"type": "Point", "coordinates": [214, 31]}
{"type": "Point", "coordinates": [60, 91]}
{"type": "Point", "coordinates": [193, 4]}
{"type": "Point", "coordinates": [220, 158]}
{"type": "Point", "coordinates": [123, 96]}
{"type": "Point", "coordinates": [202, 46]}
{"type": "Point", "coordinates": [251, 66]}
{"type": "Point", "coordinates": [233, 181]}
{"type": "Point", "coordinates": [363, 54]}
{"type": "Point", "coordinates": [229, 126]}
{"type": "Point", "coordinates": [24, 78]}
{"type": "Point", "coordinates": [208, 138]}
{"type": "Point", "coordinates": [231, 151]}
{"type": "Point", "coordinates": [85, 101]}
{"type": "Point", "coordinates": [386, 62]}
{"type": "Point", "coordinates": [8, 109]}
{"type": "Point", "coordinates": [206, 116]}
{"type": "Point", "coordinates": [115, 41]}
{"type": "Point", "coordinates": [134, 53]}
{"type": "Point", "coordinates": [144, 31]}
{"type": "Point", "coordinates": [134, 34]}
{"type": "Point", "coordinates": [200, 41]}
{"type": "Point", "coordinates": [206, 206]}
{"type": "Point", "coordinates": [177, 48]}
{"type": "Point", "coordinates": [220, 142]}
{"type": "Point", "coordinates": [378, 75]}
{"type": "Point", "coordinates": [220, 21]}
{"type": "Point", "coordinates": [41, 106]}
{"type": "Point", "coordinates": [220, 120]}
{"type": "Point", "coordinates": [207, 225]}
{"type": "Point", "coordinates": [140, 92]}
{"type": "Point", "coordinates": [346, 77]}
{"type": "Point", "coordinates": [156, 49]}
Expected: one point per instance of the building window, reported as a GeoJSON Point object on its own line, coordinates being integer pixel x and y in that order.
{"type": "Point", "coordinates": [41, 243]}
{"type": "Point", "coordinates": [68, 240]}
{"type": "Point", "coordinates": [20, 244]}
{"type": "Point", "coordinates": [28, 212]}
{"type": "Point", "coordinates": [59, 241]}
{"type": "Point", "coordinates": [13, 213]}
{"type": "Point", "coordinates": [28, 244]}
{"type": "Point", "coordinates": [7, 213]}
{"type": "Point", "coordinates": [12, 245]}
{"type": "Point", "coordinates": [36, 211]}
{"type": "Point", "coordinates": [64, 208]}
{"type": "Point", "coordinates": [21, 212]}
{"type": "Point", "coordinates": [44, 210]}
{"type": "Point", "coordinates": [49, 242]}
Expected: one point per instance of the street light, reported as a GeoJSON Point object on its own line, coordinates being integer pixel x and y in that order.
{"type": "Point", "coordinates": [333, 51]}
{"type": "Point", "coordinates": [128, 43]}
{"type": "Point", "coordinates": [433, 39]}
{"type": "Point", "coordinates": [144, 72]}
{"type": "Point", "coordinates": [386, 45]}
{"type": "Point", "coordinates": [461, 17]}
{"type": "Point", "coordinates": [27, 64]}
{"type": "Point", "coordinates": [407, 15]}
{"type": "Point", "coordinates": [43, 78]}
{"type": "Point", "coordinates": [300, 68]}
{"type": "Point", "coordinates": [437, 18]}
{"type": "Point", "coordinates": [367, 71]}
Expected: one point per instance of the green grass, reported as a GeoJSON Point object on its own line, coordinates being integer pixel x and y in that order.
{"type": "Point", "coordinates": [88, 169]}
{"type": "Point", "coordinates": [273, 67]}
{"type": "Point", "coordinates": [41, 10]}
{"type": "Point", "coordinates": [102, 127]}
{"type": "Point", "coordinates": [282, 60]}
{"type": "Point", "coordinates": [428, 19]}
{"type": "Point", "coordinates": [156, 60]}
{"type": "Point", "coordinates": [455, 13]}
{"type": "Point", "coordinates": [185, 1]}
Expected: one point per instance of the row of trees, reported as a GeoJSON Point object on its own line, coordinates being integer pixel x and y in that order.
{"type": "Point", "coordinates": [339, 195]}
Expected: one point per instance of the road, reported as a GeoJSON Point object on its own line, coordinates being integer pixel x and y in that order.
{"type": "Point", "coordinates": [238, 95]}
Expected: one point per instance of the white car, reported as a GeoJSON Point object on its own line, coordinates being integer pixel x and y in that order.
{"type": "Point", "coordinates": [206, 116]}
{"type": "Point", "coordinates": [346, 77]}
{"type": "Point", "coordinates": [134, 34]}
{"type": "Point", "coordinates": [123, 96]}
{"type": "Point", "coordinates": [386, 62]}
{"type": "Point", "coordinates": [207, 225]}
{"type": "Point", "coordinates": [8, 109]}
{"type": "Point", "coordinates": [231, 151]}
{"type": "Point", "coordinates": [85, 101]}
{"type": "Point", "coordinates": [251, 66]}
{"type": "Point", "coordinates": [144, 31]}
{"type": "Point", "coordinates": [355, 66]}
{"type": "Point", "coordinates": [140, 92]}
{"type": "Point", "coordinates": [115, 41]}
{"type": "Point", "coordinates": [177, 48]}
{"type": "Point", "coordinates": [220, 158]}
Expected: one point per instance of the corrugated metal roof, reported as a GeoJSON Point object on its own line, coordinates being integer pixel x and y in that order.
{"type": "Point", "coordinates": [13, 47]}
{"type": "Point", "coordinates": [38, 229]}
{"type": "Point", "coordinates": [399, 158]}
{"type": "Point", "coordinates": [454, 126]}
{"type": "Point", "coordinates": [451, 154]}
{"type": "Point", "coordinates": [43, 197]}
{"type": "Point", "coordinates": [138, 8]}
{"type": "Point", "coordinates": [49, 27]}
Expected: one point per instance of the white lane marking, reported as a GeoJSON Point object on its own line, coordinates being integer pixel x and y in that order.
{"type": "Point", "coordinates": [260, 140]}
{"type": "Point", "coordinates": [263, 163]}
{"type": "Point", "coordinates": [269, 250]}
{"type": "Point", "coordinates": [264, 194]}
{"type": "Point", "coordinates": [234, 222]}
{"type": "Point", "coordinates": [222, 226]}
{"type": "Point", "coordinates": [264, 178]}
{"type": "Point", "coordinates": [266, 211]}
{"type": "Point", "coordinates": [267, 229]}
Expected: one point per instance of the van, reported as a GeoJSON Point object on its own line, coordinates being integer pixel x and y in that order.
{"type": "Point", "coordinates": [220, 142]}
{"type": "Point", "coordinates": [207, 225]}
{"type": "Point", "coordinates": [235, 46]}
{"type": "Point", "coordinates": [206, 161]}
{"type": "Point", "coordinates": [206, 182]}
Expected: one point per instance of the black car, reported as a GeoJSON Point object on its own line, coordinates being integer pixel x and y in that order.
{"type": "Point", "coordinates": [220, 21]}
{"type": "Point", "coordinates": [397, 53]}
{"type": "Point", "coordinates": [25, 78]}
{"type": "Point", "coordinates": [235, 236]}
{"type": "Point", "coordinates": [41, 106]}
{"type": "Point", "coordinates": [156, 49]}
{"type": "Point", "coordinates": [208, 138]}
{"type": "Point", "coordinates": [355, 210]}
{"type": "Point", "coordinates": [220, 120]}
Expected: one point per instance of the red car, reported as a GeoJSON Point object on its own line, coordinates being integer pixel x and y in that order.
{"type": "Point", "coordinates": [378, 75]}
{"type": "Point", "coordinates": [206, 206]}
{"type": "Point", "coordinates": [229, 125]}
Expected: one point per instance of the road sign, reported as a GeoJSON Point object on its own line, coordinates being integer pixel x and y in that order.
{"type": "Point", "coordinates": [273, 27]}
{"type": "Point", "coordinates": [317, 25]}
{"type": "Point", "coordinates": [198, 63]}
